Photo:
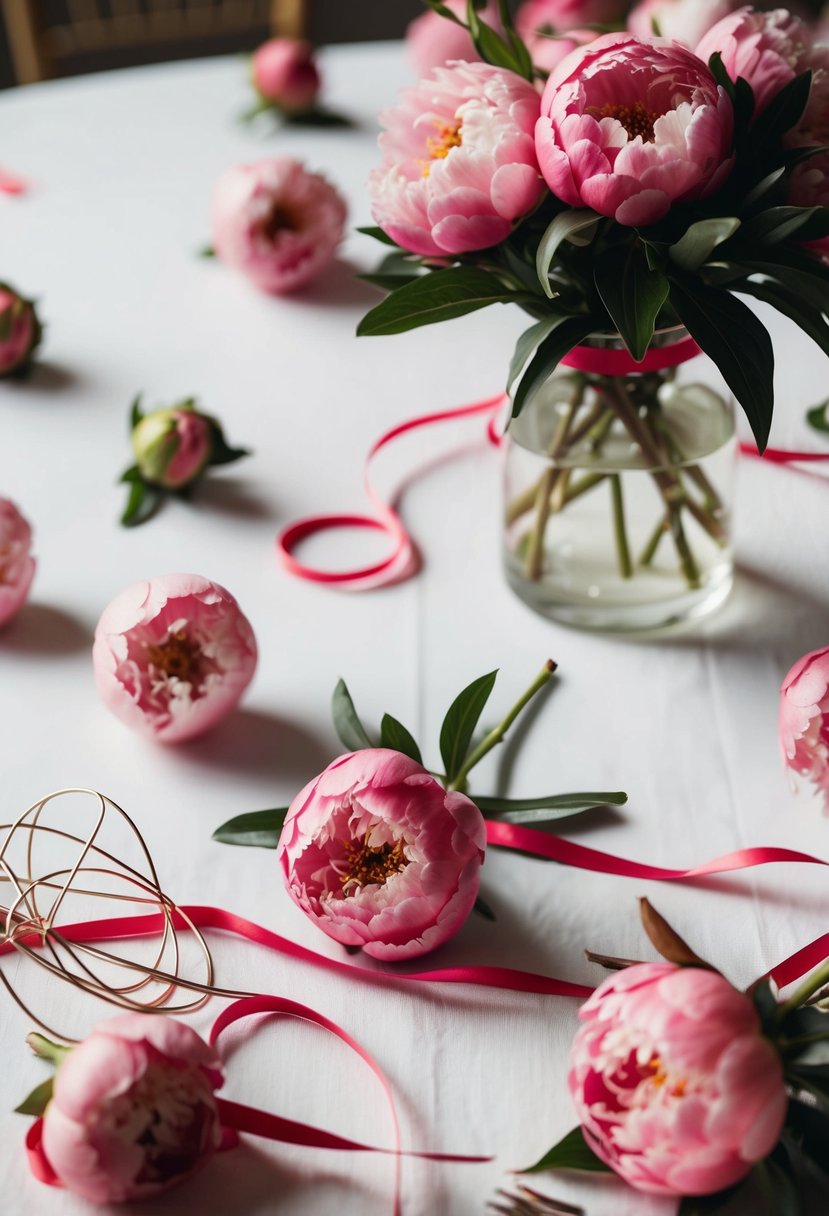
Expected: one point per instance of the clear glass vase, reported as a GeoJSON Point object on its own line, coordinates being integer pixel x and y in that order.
{"type": "Point", "coordinates": [618, 492]}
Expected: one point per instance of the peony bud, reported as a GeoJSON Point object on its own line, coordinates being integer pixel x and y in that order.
{"type": "Point", "coordinates": [20, 331]}
{"type": "Point", "coordinates": [17, 566]}
{"type": "Point", "coordinates": [285, 75]}
{"type": "Point", "coordinates": [172, 446]}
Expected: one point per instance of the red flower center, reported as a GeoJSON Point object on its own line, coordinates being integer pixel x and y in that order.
{"type": "Point", "coordinates": [369, 865]}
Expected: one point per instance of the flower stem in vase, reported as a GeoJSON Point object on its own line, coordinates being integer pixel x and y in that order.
{"type": "Point", "coordinates": [619, 529]}
{"type": "Point", "coordinates": [649, 551]}
{"type": "Point", "coordinates": [550, 480]}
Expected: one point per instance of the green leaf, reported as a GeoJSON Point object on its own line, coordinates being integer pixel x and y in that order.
{"type": "Point", "coordinates": [483, 909]}
{"type": "Point", "coordinates": [778, 1186]}
{"type": "Point", "coordinates": [220, 450]}
{"type": "Point", "coordinates": [493, 49]}
{"type": "Point", "coordinates": [791, 305]}
{"type": "Point", "coordinates": [563, 228]}
{"type": "Point", "coordinates": [388, 282]}
{"type": "Point", "coordinates": [571, 1153]}
{"type": "Point", "coordinates": [393, 734]}
{"type": "Point", "coordinates": [818, 416]}
{"type": "Point", "coordinates": [460, 722]}
{"type": "Point", "coordinates": [700, 240]}
{"type": "Point", "coordinates": [136, 413]}
{"type": "Point", "coordinates": [206, 251]}
{"type": "Point", "coordinates": [777, 224]}
{"type": "Point", "coordinates": [717, 69]}
{"type": "Point", "coordinates": [782, 112]}
{"type": "Point", "coordinates": [347, 724]}
{"type": "Point", "coordinates": [765, 1003]}
{"type": "Point", "coordinates": [527, 343]}
{"type": "Point", "coordinates": [379, 235]}
{"type": "Point", "coordinates": [318, 117]}
{"type": "Point", "coordinates": [567, 333]}
{"type": "Point", "coordinates": [439, 296]}
{"type": "Point", "coordinates": [810, 283]}
{"type": "Point", "coordinates": [632, 293]}
{"type": "Point", "coordinates": [143, 501]}
{"type": "Point", "coordinates": [38, 1099]}
{"type": "Point", "coordinates": [730, 334]}
{"type": "Point", "coordinates": [706, 1205]}
{"type": "Point", "coordinates": [256, 829]}
{"type": "Point", "coordinates": [541, 810]}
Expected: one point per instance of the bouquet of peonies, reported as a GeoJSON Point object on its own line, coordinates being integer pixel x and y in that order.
{"type": "Point", "coordinates": [634, 207]}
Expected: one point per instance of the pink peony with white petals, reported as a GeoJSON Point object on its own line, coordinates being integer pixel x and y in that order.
{"type": "Point", "coordinates": [380, 856]}
{"type": "Point", "coordinates": [804, 720]}
{"type": "Point", "coordinates": [173, 655]}
{"type": "Point", "coordinates": [685, 20]}
{"type": "Point", "coordinates": [17, 566]}
{"type": "Point", "coordinates": [459, 167]}
{"type": "Point", "coordinates": [277, 223]}
{"type": "Point", "coordinates": [676, 1088]}
{"type": "Point", "coordinates": [629, 127]}
{"type": "Point", "coordinates": [133, 1111]}
{"type": "Point", "coordinates": [766, 49]}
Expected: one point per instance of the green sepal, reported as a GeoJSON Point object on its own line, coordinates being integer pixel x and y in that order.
{"type": "Point", "coordinates": [459, 724]}
{"type": "Point", "coordinates": [818, 416]}
{"type": "Point", "coordinates": [352, 734]}
{"type": "Point", "coordinates": [143, 500]}
{"type": "Point", "coordinates": [393, 734]}
{"type": "Point", "coordinates": [37, 1101]}
{"type": "Point", "coordinates": [136, 412]}
{"type": "Point", "coordinates": [220, 450]}
{"type": "Point", "coordinates": [571, 1153]}
{"type": "Point", "coordinates": [255, 829]}
{"type": "Point", "coordinates": [206, 251]}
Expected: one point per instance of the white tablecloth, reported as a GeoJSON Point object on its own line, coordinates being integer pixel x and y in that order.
{"type": "Point", "coordinates": [122, 166]}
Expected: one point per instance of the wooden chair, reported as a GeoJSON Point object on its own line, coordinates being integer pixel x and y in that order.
{"type": "Point", "coordinates": [48, 42]}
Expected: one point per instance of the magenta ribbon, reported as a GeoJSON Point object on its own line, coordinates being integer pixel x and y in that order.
{"type": "Point", "coordinates": [10, 183]}
{"type": "Point", "coordinates": [599, 361]}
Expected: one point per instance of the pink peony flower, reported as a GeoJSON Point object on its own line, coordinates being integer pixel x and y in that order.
{"type": "Point", "coordinates": [133, 1111]}
{"type": "Point", "coordinates": [285, 75]}
{"type": "Point", "coordinates": [629, 127]}
{"type": "Point", "coordinates": [804, 719]}
{"type": "Point", "coordinates": [432, 40]}
{"type": "Point", "coordinates": [17, 566]}
{"type": "Point", "coordinates": [809, 181]}
{"type": "Point", "coordinates": [379, 855]}
{"type": "Point", "coordinates": [547, 52]}
{"type": "Point", "coordinates": [459, 168]}
{"type": "Point", "coordinates": [172, 446]}
{"type": "Point", "coordinates": [563, 15]}
{"type": "Point", "coordinates": [277, 223]}
{"type": "Point", "coordinates": [20, 330]}
{"type": "Point", "coordinates": [684, 20]}
{"type": "Point", "coordinates": [766, 49]}
{"type": "Point", "coordinates": [676, 1088]}
{"type": "Point", "coordinates": [173, 655]}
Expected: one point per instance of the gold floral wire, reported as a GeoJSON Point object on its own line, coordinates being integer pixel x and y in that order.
{"type": "Point", "coordinates": [67, 959]}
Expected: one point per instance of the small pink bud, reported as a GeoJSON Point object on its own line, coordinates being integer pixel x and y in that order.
{"type": "Point", "coordinates": [172, 446]}
{"type": "Point", "coordinates": [20, 330]}
{"type": "Point", "coordinates": [17, 566]}
{"type": "Point", "coordinates": [285, 74]}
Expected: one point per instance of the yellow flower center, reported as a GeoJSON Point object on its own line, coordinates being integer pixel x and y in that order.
{"type": "Point", "coordinates": [675, 1088]}
{"type": "Point", "coordinates": [636, 119]}
{"type": "Point", "coordinates": [177, 657]}
{"type": "Point", "coordinates": [368, 864]}
{"type": "Point", "coordinates": [439, 146]}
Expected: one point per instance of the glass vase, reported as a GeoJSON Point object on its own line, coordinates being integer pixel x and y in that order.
{"type": "Point", "coordinates": [618, 490]}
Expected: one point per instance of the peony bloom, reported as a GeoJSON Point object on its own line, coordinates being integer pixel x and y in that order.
{"type": "Point", "coordinates": [547, 52]}
{"type": "Point", "coordinates": [459, 168]}
{"type": "Point", "coordinates": [628, 128]}
{"type": "Point", "coordinates": [684, 20]}
{"type": "Point", "coordinates": [17, 566]}
{"type": "Point", "coordinates": [563, 15]}
{"type": "Point", "coordinates": [172, 446]}
{"type": "Point", "coordinates": [379, 855]}
{"type": "Point", "coordinates": [277, 223]}
{"type": "Point", "coordinates": [766, 49]}
{"type": "Point", "coordinates": [676, 1088]}
{"type": "Point", "coordinates": [133, 1111]}
{"type": "Point", "coordinates": [432, 40]}
{"type": "Point", "coordinates": [804, 719]}
{"type": "Point", "coordinates": [284, 74]}
{"type": "Point", "coordinates": [173, 655]}
{"type": "Point", "coordinates": [809, 181]}
{"type": "Point", "coordinates": [20, 330]}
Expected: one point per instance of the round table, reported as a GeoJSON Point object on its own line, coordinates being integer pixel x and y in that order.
{"type": "Point", "coordinates": [121, 167]}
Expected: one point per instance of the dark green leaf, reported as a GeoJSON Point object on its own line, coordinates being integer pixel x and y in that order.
{"type": "Point", "coordinates": [527, 343]}
{"type": "Point", "coordinates": [434, 297]}
{"type": "Point", "coordinates": [318, 117]}
{"type": "Point", "coordinates": [777, 224]}
{"type": "Point", "coordinates": [778, 1187]}
{"type": "Point", "coordinates": [764, 185]}
{"type": "Point", "coordinates": [38, 1099]}
{"type": "Point", "coordinates": [460, 722]}
{"type": "Point", "coordinates": [389, 282]}
{"type": "Point", "coordinates": [818, 415]}
{"type": "Point", "coordinates": [542, 810]}
{"type": "Point", "coordinates": [571, 1153]}
{"type": "Point", "coordinates": [765, 1003]}
{"type": "Point", "coordinates": [567, 333]}
{"type": "Point", "coordinates": [379, 235]}
{"type": "Point", "coordinates": [632, 293]}
{"type": "Point", "coordinates": [730, 334]}
{"type": "Point", "coordinates": [256, 829]}
{"type": "Point", "coordinates": [706, 1205]}
{"type": "Point", "coordinates": [493, 49]}
{"type": "Point", "coordinates": [783, 111]}
{"type": "Point", "coordinates": [221, 452]}
{"type": "Point", "coordinates": [563, 228]}
{"type": "Point", "coordinates": [393, 734]}
{"type": "Point", "coordinates": [483, 909]}
{"type": "Point", "coordinates": [791, 305]}
{"type": "Point", "coordinates": [347, 724]}
{"type": "Point", "coordinates": [136, 413]}
{"type": "Point", "coordinates": [143, 501]}
{"type": "Point", "coordinates": [700, 240]}
{"type": "Point", "coordinates": [717, 69]}
{"type": "Point", "coordinates": [206, 251]}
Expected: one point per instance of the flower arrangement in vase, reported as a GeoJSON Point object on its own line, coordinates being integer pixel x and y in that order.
{"type": "Point", "coordinates": [628, 209]}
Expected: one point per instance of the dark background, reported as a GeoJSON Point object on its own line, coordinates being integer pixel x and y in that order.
{"type": "Point", "coordinates": [329, 21]}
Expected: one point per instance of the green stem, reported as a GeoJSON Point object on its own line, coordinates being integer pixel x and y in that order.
{"type": "Point", "coordinates": [46, 1049]}
{"type": "Point", "coordinates": [649, 551]}
{"type": "Point", "coordinates": [619, 529]}
{"type": "Point", "coordinates": [495, 736]}
{"type": "Point", "coordinates": [801, 995]}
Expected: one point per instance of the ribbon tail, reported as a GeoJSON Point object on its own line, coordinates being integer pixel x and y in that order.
{"type": "Point", "coordinates": [38, 1161]}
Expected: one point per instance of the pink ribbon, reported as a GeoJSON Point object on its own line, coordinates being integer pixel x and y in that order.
{"type": "Point", "coordinates": [783, 456]}
{"type": "Point", "coordinates": [10, 183]}
{"type": "Point", "coordinates": [599, 361]}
